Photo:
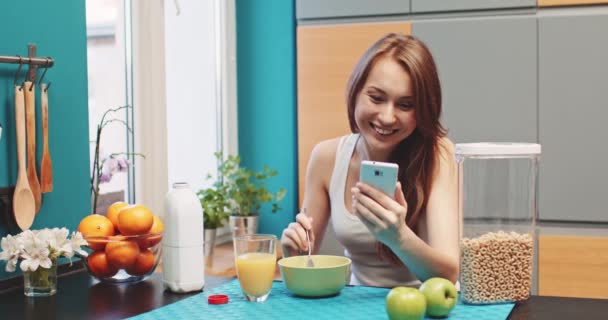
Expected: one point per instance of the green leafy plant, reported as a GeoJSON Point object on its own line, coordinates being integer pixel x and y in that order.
{"type": "Point", "coordinates": [245, 188]}
{"type": "Point", "coordinates": [215, 205]}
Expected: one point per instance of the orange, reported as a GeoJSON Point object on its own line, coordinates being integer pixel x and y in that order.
{"type": "Point", "coordinates": [113, 211]}
{"type": "Point", "coordinates": [143, 264]}
{"type": "Point", "coordinates": [96, 225]}
{"type": "Point", "coordinates": [149, 241]}
{"type": "Point", "coordinates": [157, 225]}
{"type": "Point", "coordinates": [122, 254]}
{"type": "Point", "coordinates": [97, 243]}
{"type": "Point", "coordinates": [99, 266]}
{"type": "Point", "coordinates": [135, 219]}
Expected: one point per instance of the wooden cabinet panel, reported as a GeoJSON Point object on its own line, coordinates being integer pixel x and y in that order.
{"type": "Point", "coordinates": [572, 266]}
{"type": "Point", "coordinates": [326, 56]}
{"type": "Point", "coordinates": [554, 3]}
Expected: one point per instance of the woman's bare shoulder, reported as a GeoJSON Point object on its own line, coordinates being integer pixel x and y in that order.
{"type": "Point", "coordinates": [446, 148]}
{"type": "Point", "coordinates": [321, 162]}
{"type": "Point", "coordinates": [327, 148]}
{"type": "Point", "coordinates": [324, 153]}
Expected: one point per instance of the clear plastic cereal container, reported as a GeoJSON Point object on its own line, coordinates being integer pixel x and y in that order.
{"type": "Point", "coordinates": [498, 191]}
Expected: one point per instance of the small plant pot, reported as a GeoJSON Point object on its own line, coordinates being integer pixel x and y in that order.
{"type": "Point", "coordinates": [242, 225]}
{"type": "Point", "coordinates": [209, 242]}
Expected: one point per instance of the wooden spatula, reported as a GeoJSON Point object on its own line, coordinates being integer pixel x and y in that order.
{"type": "Point", "coordinates": [46, 166]}
{"type": "Point", "coordinates": [30, 123]}
{"type": "Point", "coordinates": [24, 205]}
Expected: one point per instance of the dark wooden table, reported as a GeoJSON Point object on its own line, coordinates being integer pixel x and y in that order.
{"type": "Point", "coordinates": [79, 296]}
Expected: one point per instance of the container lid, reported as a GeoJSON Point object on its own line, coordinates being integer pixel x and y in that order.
{"type": "Point", "coordinates": [217, 299]}
{"type": "Point", "coordinates": [497, 148]}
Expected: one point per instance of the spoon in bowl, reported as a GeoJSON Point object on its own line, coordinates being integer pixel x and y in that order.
{"type": "Point", "coordinates": [309, 262]}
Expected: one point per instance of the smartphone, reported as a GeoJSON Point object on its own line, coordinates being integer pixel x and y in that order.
{"type": "Point", "coordinates": [381, 175]}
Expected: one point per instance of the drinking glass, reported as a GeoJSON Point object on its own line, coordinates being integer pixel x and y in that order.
{"type": "Point", "coordinates": [255, 260]}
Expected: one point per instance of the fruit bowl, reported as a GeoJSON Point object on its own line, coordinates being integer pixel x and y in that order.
{"type": "Point", "coordinates": [121, 258]}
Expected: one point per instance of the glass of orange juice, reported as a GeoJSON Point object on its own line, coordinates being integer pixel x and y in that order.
{"type": "Point", "coordinates": [255, 260]}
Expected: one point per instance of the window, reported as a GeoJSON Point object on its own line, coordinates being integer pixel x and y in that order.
{"type": "Point", "coordinates": [184, 85]}
{"type": "Point", "coordinates": [179, 74]}
{"type": "Point", "coordinates": [108, 63]}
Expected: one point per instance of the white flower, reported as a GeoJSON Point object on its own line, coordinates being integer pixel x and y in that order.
{"type": "Point", "coordinates": [10, 252]}
{"type": "Point", "coordinates": [77, 241]}
{"type": "Point", "coordinates": [44, 235]}
{"type": "Point", "coordinates": [61, 245]}
{"type": "Point", "coordinates": [40, 248]}
{"type": "Point", "coordinates": [35, 252]}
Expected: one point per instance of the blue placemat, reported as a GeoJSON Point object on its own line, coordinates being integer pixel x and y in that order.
{"type": "Point", "coordinates": [351, 303]}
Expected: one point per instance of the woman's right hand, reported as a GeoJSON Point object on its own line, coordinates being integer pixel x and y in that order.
{"type": "Point", "coordinates": [293, 240]}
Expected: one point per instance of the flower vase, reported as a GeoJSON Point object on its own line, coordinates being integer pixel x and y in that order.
{"type": "Point", "coordinates": [42, 282]}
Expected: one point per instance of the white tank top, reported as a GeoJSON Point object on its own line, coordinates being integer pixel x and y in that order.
{"type": "Point", "coordinates": [360, 245]}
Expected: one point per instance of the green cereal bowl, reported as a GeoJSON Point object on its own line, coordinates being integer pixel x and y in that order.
{"type": "Point", "coordinates": [329, 275]}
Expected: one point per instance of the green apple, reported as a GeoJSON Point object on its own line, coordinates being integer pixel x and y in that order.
{"type": "Point", "coordinates": [405, 304]}
{"type": "Point", "coordinates": [441, 296]}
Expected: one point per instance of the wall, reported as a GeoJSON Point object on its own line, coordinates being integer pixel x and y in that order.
{"type": "Point", "coordinates": [59, 31]}
{"type": "Point", "coordinates": [266, 90]}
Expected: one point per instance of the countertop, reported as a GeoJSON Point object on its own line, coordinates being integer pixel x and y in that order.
{"type": "Point", "coordinates": [79, 296]}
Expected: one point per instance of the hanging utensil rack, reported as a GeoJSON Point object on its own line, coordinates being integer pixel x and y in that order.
{"type": "Point", "coordinates": [6, 194]}
{"type": "Point", "coordinates": [31, 60]}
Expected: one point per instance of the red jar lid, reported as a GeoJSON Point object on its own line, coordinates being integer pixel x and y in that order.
{"type": "Point", "coordinates": [217, 299]}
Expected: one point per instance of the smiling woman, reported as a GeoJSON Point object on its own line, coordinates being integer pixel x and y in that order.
{"type": "Point", "coordinates": [384, 108]}
{"type": "Point", "coordinates": [394, 106]}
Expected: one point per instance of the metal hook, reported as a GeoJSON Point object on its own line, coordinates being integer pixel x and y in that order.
{"type": "Point", "coordinates": [18, 71]}
{"type": "Point", "coordinates": [46, 68]}
{"type": "Point", "coordinates": [34, 80]}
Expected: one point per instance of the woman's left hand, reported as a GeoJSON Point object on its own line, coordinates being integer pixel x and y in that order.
{"type": "Point", "coordinates": [383, 216]}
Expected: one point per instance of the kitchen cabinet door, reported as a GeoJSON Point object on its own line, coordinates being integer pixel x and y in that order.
{"type": "Point", "coordinates": [461, 5]}
{"type": "Point", "coordinates": [573, 266]}
{"type": "Point", "coordinates": [487, 68]}
{"type": "Point", "coordinates": [573, 108]}
{"type": "Point", "coordinates": [318, 9]}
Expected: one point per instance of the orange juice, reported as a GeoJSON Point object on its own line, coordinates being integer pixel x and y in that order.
{"type": "Point", "coordinates": [256, 272]}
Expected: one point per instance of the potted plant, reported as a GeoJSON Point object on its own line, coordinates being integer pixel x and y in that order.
{"type": "Point", "coordinates": [246, 191]}
{"type": "Point", "coordinates": [215, 212]}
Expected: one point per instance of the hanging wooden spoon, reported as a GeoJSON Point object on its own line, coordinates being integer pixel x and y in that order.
{"type": "Point", "coordinates": [24, 205]}
{"type": "Point", "coordinates": [46, 166]}
{"type": "Point", "coordinates": [30, 122]}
